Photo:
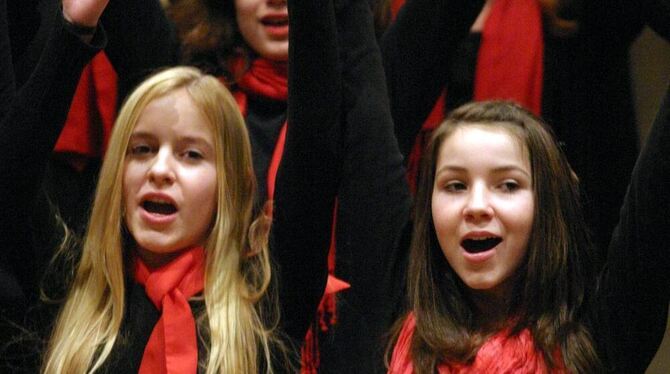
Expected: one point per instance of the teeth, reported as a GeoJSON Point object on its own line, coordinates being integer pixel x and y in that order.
{"type": "Point", "coordinates": [159, 201]}
{"type": "Point", "coordinates": [483, 238]}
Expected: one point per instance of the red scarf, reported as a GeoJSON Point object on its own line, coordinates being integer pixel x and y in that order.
{"type": "Point", "coordinates": [91, 117]}
{"type": "Point", "coordinates": [511, 56]}
{"type": "Point", "coordinates": [509, 66]}
{"type": "Point", "coordinates": [501, 353]}
{"type": "Point", "coordinates": [269, 79]}
{"type": "Point", "coordinates": [172, 346]}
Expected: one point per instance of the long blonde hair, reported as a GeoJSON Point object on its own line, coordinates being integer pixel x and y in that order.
{"type": "Point", "coordinates": [237, 271]}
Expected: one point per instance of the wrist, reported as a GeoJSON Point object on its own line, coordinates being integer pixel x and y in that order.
{"type": "Point", "coordinates": [80, 30]}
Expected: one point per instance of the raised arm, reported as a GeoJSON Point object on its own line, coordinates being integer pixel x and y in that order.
{"type": "Point", "coordinates": [308, 175]}
{"type": "Point", "coordinates": [141, 40]}
{"type": "Point", "coordinates": [28, 131]}
{"type": "Point", "coordinates": [7, 81]}
{"type": "Point", "coordinates": [636, 284]}
{"type": "Point", "coordinates": [417, 50]}
{"type": "Point", "coordinates": [373, 201]}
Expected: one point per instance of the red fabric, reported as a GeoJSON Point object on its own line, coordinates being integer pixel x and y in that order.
{"type": "Point", "coordinates": [172, 346]}
{"type": "Point", "coordinates": [511, 56]}
{"type": "Point", "coordinates": [509, 66]}
{"type": "Point", "coordinates": [92, 114]}
{"type": "Point", "coordinates": [268, 78]}
{"type": "Point", "coordinates": [414, 158]}
{"type": "Point", "coordinates": [501, 353]}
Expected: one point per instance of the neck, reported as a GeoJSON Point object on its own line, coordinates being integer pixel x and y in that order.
{"type": "Point", "coordinates": [493, 307]}
{"type": "Point", "coordinates": [155, 260]}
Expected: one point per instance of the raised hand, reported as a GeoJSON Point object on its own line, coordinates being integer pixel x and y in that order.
{"type": "Point", "coordinates": [85, 13]}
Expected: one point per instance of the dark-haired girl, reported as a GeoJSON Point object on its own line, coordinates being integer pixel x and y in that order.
{"type": "Point", "coordinates": [502, 276]}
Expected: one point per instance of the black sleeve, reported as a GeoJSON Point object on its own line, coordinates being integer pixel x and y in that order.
{"type": "Point", "coordinates": [636, 282]}
{"type": "Point", "coordinates": [612, 23]}
{"type": "Point", "coordinates": [417, 49]}
{"type": "Point", "coordinates": [28, 131]}
{"type": "Point", "coordinates": [7, 81]}
{"type": "Point", "coordinates": [373, 201]}
{"type": "Point", "coordinates": [657, 15]}
{"type": "Point", "coordinates": [141, 40]}
{"type": "Point", "coordinates": [307, 176]}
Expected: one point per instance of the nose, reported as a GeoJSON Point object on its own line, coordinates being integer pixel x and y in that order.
{"type": "Point", "coordinates": [478, 205]}
{"type": "Point", "coordinates": [276, 3]}
{"type": "Point", "coordinates": [161, 171]}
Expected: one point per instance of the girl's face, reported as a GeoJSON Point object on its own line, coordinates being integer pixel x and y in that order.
{"type": "Point", "coordinates": [482, 206]}
{"type": "Point", "coordinates": [169, 181]}
{"type": "Point", "coordinates": [264, 26]}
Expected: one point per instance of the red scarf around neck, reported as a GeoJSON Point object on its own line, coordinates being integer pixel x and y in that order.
{"type": "Point", "coordinates": [172, 346]}
{"type": "Point", "coordinates": [266, 78]}
{"type": "Point", "coordinates": [501, 353]}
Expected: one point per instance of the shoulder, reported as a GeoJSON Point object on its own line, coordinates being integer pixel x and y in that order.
{"type": "Point", "coordinates": [401, 360]}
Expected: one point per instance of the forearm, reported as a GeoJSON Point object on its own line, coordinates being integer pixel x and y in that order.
{"type": "Point", "coordinates": [417, 50]}
{"type": "Point", "coordinates": [307, 177]}
{"type": "Point", "coordinates": [637, 279]}
{"type": "Point", "coordinates": [28, 132]}
{"type": "Point", "coordinates": [141, 40]}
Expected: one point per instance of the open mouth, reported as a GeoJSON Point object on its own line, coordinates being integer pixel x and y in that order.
{"type": "Point", "coordinates": [159, 207]}
{"type": "Point", "coordinates": [480, 244]}
{"type": "Point", "coordinates": [275, 21]}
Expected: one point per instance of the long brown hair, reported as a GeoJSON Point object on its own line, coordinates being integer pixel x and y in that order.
{"type": "Point", "coordinates": [554, 282]}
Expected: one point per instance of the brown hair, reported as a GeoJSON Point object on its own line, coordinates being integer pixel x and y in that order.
{"type": "Point", "coordinates": [554, 280]}
{"type": "Point", "coordinates": [209, 35]}
{"type": "Point", "coordinates": [561, 16]}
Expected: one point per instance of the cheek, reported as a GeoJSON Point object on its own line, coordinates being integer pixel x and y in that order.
{"type": "Point", "coordinates": [205, 192]}
{"type": "Point", "coordinates": [444, 219]}
{"type": "Point", "coordinates": [522, 215]}
{"type": "Point", "coordinates": [245, 19]}
{"type": "Point", "coordinates": [130, 182]}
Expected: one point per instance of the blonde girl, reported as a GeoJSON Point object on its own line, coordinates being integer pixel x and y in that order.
{"type": "Point", "coordinates": [174, 274]}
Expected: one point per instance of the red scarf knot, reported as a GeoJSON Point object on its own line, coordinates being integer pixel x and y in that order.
{"type": "Point", "coordinates": [172, 346]}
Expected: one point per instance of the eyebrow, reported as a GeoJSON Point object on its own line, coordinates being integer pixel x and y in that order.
{"type": "Point", "coordinates": [496, 170]}
{"type": "Point", "coordinates": [182, 139]}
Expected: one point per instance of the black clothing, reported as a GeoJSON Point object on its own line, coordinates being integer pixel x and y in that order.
{"type": "Point", "coordinates": [373, 206]}
{"type": "Point", "coordinates": [636, 282]}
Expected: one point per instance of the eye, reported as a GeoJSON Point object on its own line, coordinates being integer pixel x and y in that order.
{"type": "Point", "coordinates": [139, 149]}
{"type": "Point", "coordinates": [455, 186]}
{"type": "Point", "coordinates": [193, 154]}
{"type": "Point", "coordinates": [509, 186]}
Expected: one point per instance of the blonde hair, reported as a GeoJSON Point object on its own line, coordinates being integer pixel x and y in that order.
{"type": "Point", "coordinates": [237, 273]}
